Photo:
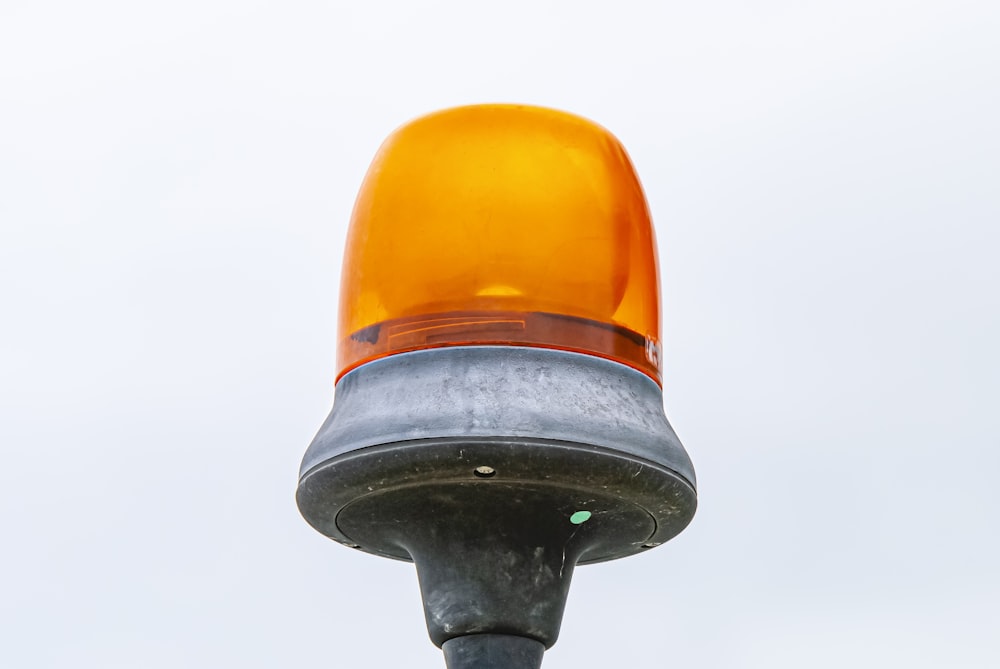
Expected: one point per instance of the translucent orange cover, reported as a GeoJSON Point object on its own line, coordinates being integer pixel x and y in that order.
{"type": "Point", "coordinates": [501, 225]}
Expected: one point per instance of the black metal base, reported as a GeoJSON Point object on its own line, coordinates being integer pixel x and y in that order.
{"type": "Point", "coordinates": [495, 528]}
{"type": "Point", "coordinates": [465, 479]}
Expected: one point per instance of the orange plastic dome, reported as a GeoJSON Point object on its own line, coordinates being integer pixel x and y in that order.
{"type": "Point", "coordinates": [501, 225]}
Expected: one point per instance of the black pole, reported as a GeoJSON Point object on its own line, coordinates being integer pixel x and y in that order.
{"type": "Point", "coordinates": [493, 651]}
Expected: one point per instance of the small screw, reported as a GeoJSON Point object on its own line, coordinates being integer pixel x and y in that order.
{"type": "Point", "coordinates": [484, 472]}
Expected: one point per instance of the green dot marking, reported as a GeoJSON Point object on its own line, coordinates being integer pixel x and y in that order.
{"type": "Point", "coordinates": [580, 517]}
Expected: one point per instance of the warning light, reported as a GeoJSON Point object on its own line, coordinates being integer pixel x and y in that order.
{"type": "Point", "coordinates": [499, 413]}
{"type": "Point", "coordinates": [501, 225]}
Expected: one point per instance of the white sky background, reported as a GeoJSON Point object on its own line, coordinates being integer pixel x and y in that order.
{"type": "Point", "coordinates": [175, 182]}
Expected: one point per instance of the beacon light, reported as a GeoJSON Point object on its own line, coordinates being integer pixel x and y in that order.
{"type": "Point", "coordinates": [501, 225]}
{"type": "Point", "coordinates": [498, 415]}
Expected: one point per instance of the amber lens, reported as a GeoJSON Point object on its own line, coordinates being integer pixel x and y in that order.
{"type": "Point", "coordinates": [501, 225]}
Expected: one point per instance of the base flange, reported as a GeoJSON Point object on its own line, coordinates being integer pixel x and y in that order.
{"type": "Point", "coordinates": [496, 470]}
{"type": "Point", "coordinates": [495, 527]}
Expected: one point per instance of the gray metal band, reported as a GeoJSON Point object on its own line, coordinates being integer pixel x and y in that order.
{"type": "Point", "coordinates": [505, 392]}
